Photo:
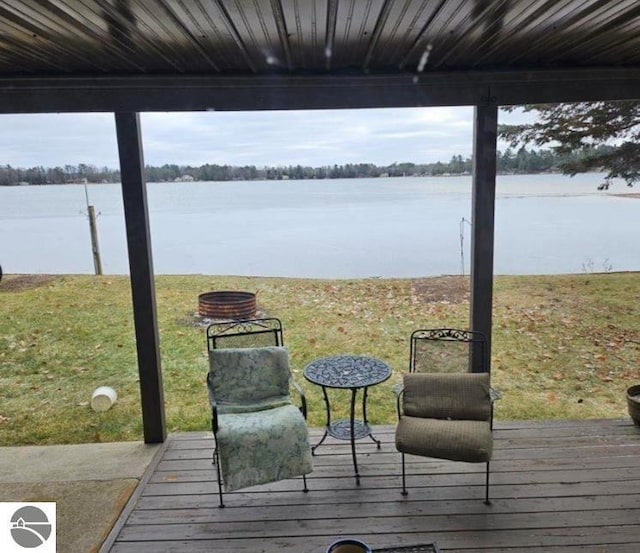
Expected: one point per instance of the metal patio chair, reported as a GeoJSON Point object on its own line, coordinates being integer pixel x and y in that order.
{"type": "Point", "coordinates": [260, 435]}
{"type": "Point", "coordinates": [450, 350]}
{"type": "Point", "coordinates": [445, 407]}
{"type": "Point", "coordinates": [250, 333]}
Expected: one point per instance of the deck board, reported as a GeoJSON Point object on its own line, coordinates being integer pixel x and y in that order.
{"type": "Point", "coordinates": [558, 486]}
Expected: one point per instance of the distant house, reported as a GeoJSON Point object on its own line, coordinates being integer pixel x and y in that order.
{"type": "Point", "coordinates": [184, 178]}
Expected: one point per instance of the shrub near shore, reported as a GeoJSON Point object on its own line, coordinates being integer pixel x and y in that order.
{"type": "Point", "coordinates": [563, 346]}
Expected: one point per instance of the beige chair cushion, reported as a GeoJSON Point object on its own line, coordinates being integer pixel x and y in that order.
{"type": "Point", "coordinates": [463, 396]}
{"type": "Point", "coordinates": [457, 440]}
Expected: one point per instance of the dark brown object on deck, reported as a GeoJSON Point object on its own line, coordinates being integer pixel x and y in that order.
{"type": "Point", "coordinates": [633, 403]}
{"type": "Point", "coordinates": [227, 304]}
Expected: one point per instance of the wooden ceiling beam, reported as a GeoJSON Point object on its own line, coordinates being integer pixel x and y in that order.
{"type": "Point", "coordinates": [277, 92]}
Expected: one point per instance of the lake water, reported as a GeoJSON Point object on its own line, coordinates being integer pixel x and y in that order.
{"type": "Point", "coordinates": [395, 227]}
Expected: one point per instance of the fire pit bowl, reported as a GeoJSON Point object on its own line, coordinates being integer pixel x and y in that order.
{"type": "Point", "coordinates": [227, 304]}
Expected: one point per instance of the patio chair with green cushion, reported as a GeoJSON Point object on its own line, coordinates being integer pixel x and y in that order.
{"type": "Point", "coordinates": [445, 416]}
{"type": "Point", "coordinates": [249, 333]}
{"type": "Point", "coordinates": [450, 350]}
{"type": "Point", "coordinates": [260, 435]}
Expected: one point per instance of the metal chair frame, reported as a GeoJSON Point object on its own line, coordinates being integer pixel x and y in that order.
{"type": "Point", "coordinates": [265, 331]}
{"type": "Point", "coordinates": [214, 428]}
{"type": "Point", "coordinates": [246, 333]}
{"type": "Point", "coordinates": [475, 339]}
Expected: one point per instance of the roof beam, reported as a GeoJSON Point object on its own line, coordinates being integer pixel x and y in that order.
{"type": "Point", "coordinates": [278, 92]}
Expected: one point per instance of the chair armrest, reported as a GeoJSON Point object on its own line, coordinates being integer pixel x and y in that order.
{"type": "Point", "coordinates": [214, 418]}
{"type": "Point", "coordinates": [214, 406]}
{"type": "Point", "coordinates": [399, 391]}
{"type": "Point", "coordinates": [303, 398]}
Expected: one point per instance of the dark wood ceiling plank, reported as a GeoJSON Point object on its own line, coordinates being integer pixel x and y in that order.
{"type": "Point", "coordinates": [330, 34]}
{"type": "Point", "coordinates": [283, 33]}
{"type": "Point", "coordinates": [381, 22]}
{"type": "Point", "coordinates": [278, 92]}
{"type": "Point", "coordinates": [306, 22]}
{"type": "Point", "coordinates": [188, 23]}
{"type": "Point", "coordinates": [402, 27]}
{"type": "Point", "coordinates": [355, 24]}
{"type": "Point", "coordinates": [41, 33]}
{"type": "Point", "coordinates": [313, 37]}
{"type": "Point", "coordinates": [426, 35]}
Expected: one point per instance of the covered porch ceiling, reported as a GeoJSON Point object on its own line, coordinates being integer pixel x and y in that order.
{"type": "Point", "coordinates": [173, 55]}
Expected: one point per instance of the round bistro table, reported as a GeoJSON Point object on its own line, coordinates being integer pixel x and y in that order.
{"type": "Point", "coordinates": [351, 372]}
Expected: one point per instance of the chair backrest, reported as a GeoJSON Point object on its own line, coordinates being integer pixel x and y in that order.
{"type": "Point", "coordinates": [251, 333]}
{"type": "Point", "coordinates": [447, 350]}
{"type": "Point", "coordinates": [462, 396]}
{"type": "Point", "coordinates": [248, 379]}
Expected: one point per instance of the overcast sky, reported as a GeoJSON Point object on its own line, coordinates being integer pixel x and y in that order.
{"type": "Point", "coordinates": [309, 138]}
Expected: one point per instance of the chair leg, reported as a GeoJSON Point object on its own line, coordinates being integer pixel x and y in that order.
{"type": "Point", "coordinates": [404, 478]}
{"type": "Point", "coordinates": [215, 445]}
{"type": "Point", "coordinates": [217, 463]}
{"type": "Point", "coordinates": [304, 480]}
{"type": "Point", "coordinates": [486, 488]}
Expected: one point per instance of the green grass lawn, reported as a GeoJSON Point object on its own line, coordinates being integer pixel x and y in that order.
{"type": "Point", "coordinates": [563, 346]}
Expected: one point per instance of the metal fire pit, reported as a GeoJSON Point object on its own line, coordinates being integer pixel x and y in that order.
{"type": "Point", "coordinates": [227, 304]}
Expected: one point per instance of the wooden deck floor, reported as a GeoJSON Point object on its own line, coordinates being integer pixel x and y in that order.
{"type": "Point", "coordinates": [560, 486]}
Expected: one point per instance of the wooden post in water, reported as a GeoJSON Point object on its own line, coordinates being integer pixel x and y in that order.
{"type": "Point", "coordinates": [93, 230]}
{"type": "Point", "coordinates": [97, 263]}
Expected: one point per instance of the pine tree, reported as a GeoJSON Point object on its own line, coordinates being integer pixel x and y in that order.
{"type": "Point", "coordinates": [594, 136]}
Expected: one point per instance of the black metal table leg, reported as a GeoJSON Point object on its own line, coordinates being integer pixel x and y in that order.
{"type": "Point", "coordinates": [328, 423]}
{"type": "Point", "coordinates": [364, 416]}
{"type": "Point", "coordinates": [354, 392]}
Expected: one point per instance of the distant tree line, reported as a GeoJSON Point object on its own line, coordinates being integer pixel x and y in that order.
{"type": "Point", "coordinates": [57, 175]}
{"type": "Point", "coordinates": [509, 161]}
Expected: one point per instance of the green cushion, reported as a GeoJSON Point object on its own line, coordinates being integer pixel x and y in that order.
{"type": "Point", "coordinates": [261, 447]}
{"type": "Point", "coordinates": [249, 379]}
